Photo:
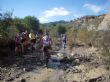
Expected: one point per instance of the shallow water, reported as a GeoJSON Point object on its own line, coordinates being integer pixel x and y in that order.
{"type": "Point", "coordinates": [56, 64]}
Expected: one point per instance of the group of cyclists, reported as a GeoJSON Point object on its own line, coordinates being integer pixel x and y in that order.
{"type": "Point", "coordinates": [29, 41]}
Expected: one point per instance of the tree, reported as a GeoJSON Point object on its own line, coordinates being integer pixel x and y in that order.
{"type": "Point", "coordinates": [31, 22]}
{"type": "Point", "coordinates": [6, 21]}
{"type": "Point", "coordinates": [18, 24]}
{"type": "Point", "coordinates": [61, 29]}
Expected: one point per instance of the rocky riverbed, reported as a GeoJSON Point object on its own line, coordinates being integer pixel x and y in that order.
{"type": "Point", "coordinates": [82, 64]}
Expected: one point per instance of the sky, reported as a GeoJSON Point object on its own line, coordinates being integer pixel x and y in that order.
{"type": "Point", "coordinates": [55, 10]}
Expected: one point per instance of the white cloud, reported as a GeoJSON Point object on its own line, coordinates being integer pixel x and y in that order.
{"type": "Point", "coordinates": [56, 12]}
{"type": "Point", "coordinates": [43, 19]}
{"type": "Point", "coordinates": [53, 12]}
{"type": "Point", "coordinates": [93, 7]}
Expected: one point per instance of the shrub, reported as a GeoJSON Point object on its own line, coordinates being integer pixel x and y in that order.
{"type": "Point", "coordinates": [72, 37]}
{"type": "Point", "coordinates": [12, 31]}
{"type": "Point", "coordinates": [106, 47]}
{"type": "Point", "coordinates": [86, 36]}
{"type": "Point", "coordinates": [79, 36]}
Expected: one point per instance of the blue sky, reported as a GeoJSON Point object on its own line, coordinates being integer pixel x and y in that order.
{"type": "Point", "coordinates": [55, 10]}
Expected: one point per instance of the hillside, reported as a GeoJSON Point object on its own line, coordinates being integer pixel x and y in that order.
{"type": "Point", "coordinates": [105, 24]}
{"type": "Point", "coordinates": [89, 22]}
{"type": "Point", "coordinates": [52, 24]}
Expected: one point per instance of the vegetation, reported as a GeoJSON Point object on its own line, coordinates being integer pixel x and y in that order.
{"type": "Point", "coordinates": [72, 37]}
{"type": "Point", "coordinates": [78, 31]}
{"type": "Point", "coordinates": [10, 26]}
{"type": "Point", "coordinates": [31, 23]}
{"type": "Point", "coordinates": [106, 48]}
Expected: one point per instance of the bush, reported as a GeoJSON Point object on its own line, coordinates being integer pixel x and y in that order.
{"type": "Point", "coordinates": [81, 36]}
{"type": "Point", "coordinates": [106, 47]}
{"type": "Point", "coordinates": [12, 31]}
{"type": "Point", "coordinates": [72, 37]}
{"type": "Point", "coordinates": [86, 36]}
{"type": "Point", "coordinates": [61, 29]}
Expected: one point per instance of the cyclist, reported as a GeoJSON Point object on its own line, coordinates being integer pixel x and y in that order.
{"type": "Point", "coordinates": [64, 40]}
{"type": "Point", "coordinates": [46, 43]}
{"type": "Point", "coordinates": [32, 38]}
{"type": "Point", "coordinates": [18, 46]}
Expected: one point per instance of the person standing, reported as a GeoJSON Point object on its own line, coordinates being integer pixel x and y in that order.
{"type": "Point", "coordinates": [64, 40]}
{"type": "Point", "coordinates": [32, 38]}
{"type": "Point", "coordinates": [47, 45]}
{"type": "Point", "coordinates": [18, 46]}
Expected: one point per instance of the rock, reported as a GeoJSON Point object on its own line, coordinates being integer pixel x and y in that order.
{"type": "Point", "coordinates": [66, 60]}
{"type": "Point", "coordinates": [72, 54]}
{"type": "Point", "coordinates": [10, 79]}
{"type": "Point", "coordinates": [23, 80]}
{"type": "Point", "coordinates": [24, 69]}
{"type": "Point", "coordinates": [17, 76]}
{"type": "Point", "coordinates": [74, 81]}
{"type": "Point", "coordinates": [74, 69]}
{"type": "Point", "coordinates": [60, 55]}
{"type": "Point", "coordinates": [28, 77]}
{"type": "Point", "coordinates": [77, 61]}
{"type": "Point", "coordinates": [97, 79]}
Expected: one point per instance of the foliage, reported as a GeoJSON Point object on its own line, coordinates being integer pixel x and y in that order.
{"type": "Point", "coordinates": [31, 22]}
{"type": "Point", "coordinates": [61, 29]}
{"type": "Point", "coordinates": [55, 28]}
{"type": "Point", "coordinates": [10, 26]}
{"type": "Point", "coordinates": [105, 44]}
{"type": "Point", "coordinates": [18, 24]}
{"type": "Point", "coordinates": [6, 20]}
{"type": "Point", "coordinates": [12, 31]}
{"type": "Point", "coordinates": [86, 36]}
{"type": "Point", "coordinates": [80, 36]}
{"type": "Point", "coordinates": [72, 37]}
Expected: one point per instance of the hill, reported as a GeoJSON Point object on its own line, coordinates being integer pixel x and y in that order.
{"type": "Point", "coordinates": [89, 22]}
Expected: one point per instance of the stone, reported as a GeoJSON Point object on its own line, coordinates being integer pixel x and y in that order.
{"type": "Point", "coordinates": [23, 80]}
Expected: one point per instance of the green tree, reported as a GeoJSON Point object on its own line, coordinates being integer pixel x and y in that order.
{"type": "Point", "coordinates": [19, 24]}
{"type": "Point", "coordinates": [6, 21]}
{"type": "Point", "coordinates": [61, 29]}
{"type": "Point", "coordinates": [31, 23]}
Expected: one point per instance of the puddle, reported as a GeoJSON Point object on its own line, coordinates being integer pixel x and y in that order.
{"type": "Point", "coordinates": [56, 64]}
